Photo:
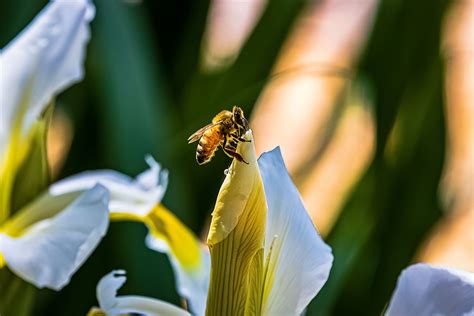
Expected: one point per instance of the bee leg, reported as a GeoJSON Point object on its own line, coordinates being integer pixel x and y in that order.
{"type": "Point", "coordinates": [235, 155]}
{"type": "Point", "coordinates": [240, 138]}
{"type": "Point", "coordinates": [224, 143]}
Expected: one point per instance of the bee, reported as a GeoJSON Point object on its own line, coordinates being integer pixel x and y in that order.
{"type": "Point", "coordinates": [225, 131]}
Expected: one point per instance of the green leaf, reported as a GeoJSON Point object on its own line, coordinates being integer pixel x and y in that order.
{"type": "Point", "coordinates": [129, 87]}
{"type": "Point", "coordinates": [16, 295]}
{"type": "Point", "coordinates": [242, 83]}
{"type": "Point", "coordinates": [33, 175]}
{"type": "Point", "coordinates": [135, 119]}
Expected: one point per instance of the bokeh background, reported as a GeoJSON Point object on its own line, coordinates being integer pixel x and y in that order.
{"type": "Point", "coordinates": [370, 100]}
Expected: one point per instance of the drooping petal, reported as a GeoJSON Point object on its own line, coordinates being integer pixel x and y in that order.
{"type": "Point", "coordinates": [189, 259]}
{"type": "Point", "coordinates": [297, 259]}
{"type": "Point", "coordinates": [42, 61]}
{"type": "Point", "coordinates": [236, 238]}
{"type": "Point", "coordinates": [425, 290]}
{"type": "Point", "coordinates": [128, 197]}
{"type": "Point", "coordinates": [112, 304]}
{"type": "Point", "coordinates": [50, 251]}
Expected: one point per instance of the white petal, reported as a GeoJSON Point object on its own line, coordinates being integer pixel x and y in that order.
{"type": "Point", "coordinates": [154, 176]}
{"type": "Point", "coordinates": [190, 284]}
{"type": "Point", "coordinates": [115, 305]}
{"type": "Point", "coordinates": [424, 290]}
{"type": "Point", "coordinates": [43, 60]}
{"type": "Point", "coordinates": [189, 258]}
{"type": "Point", "coordinates": [137, 196]}
{"type": "Point", "coordinates": [51, 250]}
{"type": "Point", "coordinates": [107, 288]}
{"type": "Point", "coordinates": [300, 260]}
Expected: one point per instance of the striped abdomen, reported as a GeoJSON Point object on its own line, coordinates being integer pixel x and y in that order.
{"type": "Point", "coordinates": [208, 145]}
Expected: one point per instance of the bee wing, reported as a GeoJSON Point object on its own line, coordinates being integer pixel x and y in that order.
{"type": "Point", "coordinates": [196, 135]}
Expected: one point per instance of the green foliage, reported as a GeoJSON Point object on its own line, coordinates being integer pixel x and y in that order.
{"type": "Point", "coordinates": [145, 93]}
{"type": "Point", "coordinates": [395, 204]}
{"type": "Point", "coordinates": [33, 175]}
{"type": "Point", "coordinates": [16, 295]}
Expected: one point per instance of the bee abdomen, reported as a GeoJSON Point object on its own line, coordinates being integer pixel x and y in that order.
{"type": "Point", "coordinates": [202, 159]}
{"type": "Point", "coordinates": [202, 156]}
{"type": "Point", "coordinates": [206, 149]}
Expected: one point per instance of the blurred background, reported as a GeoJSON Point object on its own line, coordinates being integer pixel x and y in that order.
{"type": "Point", "coordinates": [370, 100]}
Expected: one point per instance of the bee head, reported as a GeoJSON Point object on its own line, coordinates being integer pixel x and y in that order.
{"type": "Point", "coordinates": [239, 118]}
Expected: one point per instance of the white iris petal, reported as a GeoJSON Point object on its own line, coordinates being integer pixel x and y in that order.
{"type": "Point", "coordinates": [192, 285]}
{"type": "Point", "coordinates": [41, 61]}
{"type": "Point", "coordinates": [49, 252]}
{"type": "Point", "coordinates": [425, 290]}
{"type": "Point", "coordinates": [112, 304]}
{"type": "Point", "coordinates": [127, 195]}
{"type": "Point", "coordinates": [300, 261]}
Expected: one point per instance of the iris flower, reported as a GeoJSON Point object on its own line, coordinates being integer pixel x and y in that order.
{"type": "Point", "coordinates": [138, 199]}
{"type": "Point", "coordinates": [265, 258]}
{"type": "Point", "coordinates": [46, 238]}
{"type": "Point", "coordinates": [43, 239]}
{"type": "Point", "coordinates": [425, 290]}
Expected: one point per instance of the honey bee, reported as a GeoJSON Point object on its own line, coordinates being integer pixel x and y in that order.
{"type": "Point", "coordinates": [226, 130]}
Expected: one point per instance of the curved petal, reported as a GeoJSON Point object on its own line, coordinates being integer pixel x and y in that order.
{"type": "Point", "coordinates": [425, 290]}
{"type": "Point", "coordinates": [135, 197]}
{"type": "Point", "coordinates": [189, 259]}
{"type": "Point", "coordinates": [236, 239]}
{"type": "Point", "coordinates": [50, 251]}
{"type": "Point", "coordinates": [112, 304]}
{"type": "Point", "coordinates": [297, 259]}
{"type": "Point", "coordinates": [41, 61]}
{"type": "Point", "coordinates": [107, 288]}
